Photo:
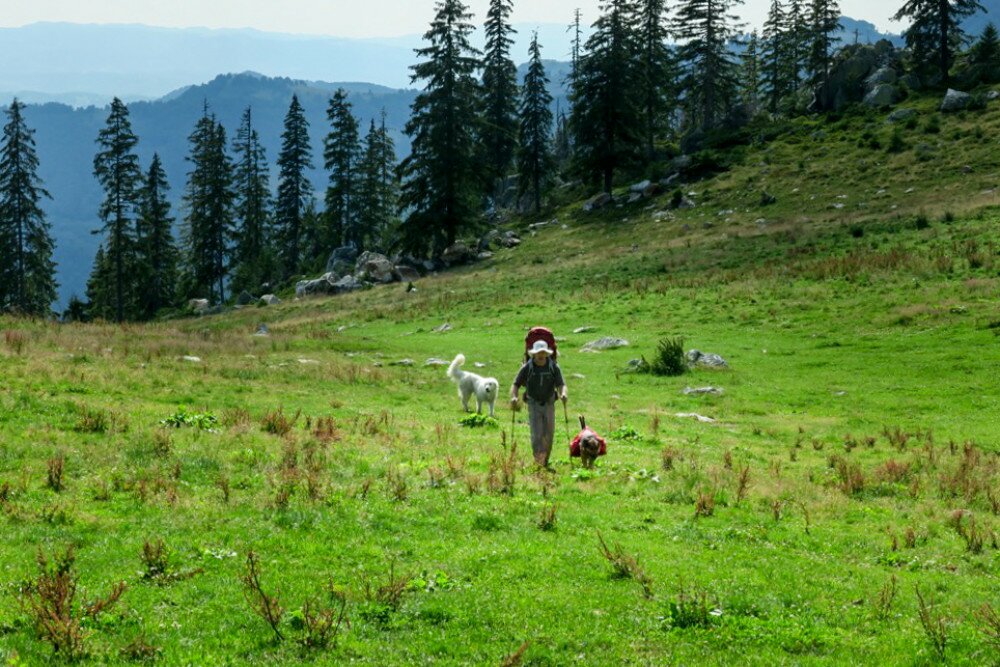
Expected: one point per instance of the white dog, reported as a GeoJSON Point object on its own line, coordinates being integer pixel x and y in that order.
{"type": "Point", "coordinates": [469, 384]}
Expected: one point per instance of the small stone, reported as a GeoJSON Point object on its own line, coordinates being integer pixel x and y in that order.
{"type": "Point", "coordinates": [606, 343]}
{"type": "Point", "coordinates": [262, 330]}
{"type": "Point", "coordinates": [479, 364]}
{"type": "Point", "coordinates": [402, 362]}
{"type": "Point", "coordinates": [695, 415]}
{"type": "Point", "coordinates": [442, 328]}
{"type": "Point", "coordinates": [688, 391]}
{"type": "Point", "coordinates": [308, 362]}
{"type": "Point", "coordinates": [270, 300]}
{"type": "Point", "coordinates": [434, 361]}
{"type": "Point", "coordinates": [193, 360]}
{"type": "Point", "coordinates": [587, 329]}
{"type": "Point", "coordinates": [578, 376]}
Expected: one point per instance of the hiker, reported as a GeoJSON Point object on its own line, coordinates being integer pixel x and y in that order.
{"type": "Point", "coordinates": [543, 383]}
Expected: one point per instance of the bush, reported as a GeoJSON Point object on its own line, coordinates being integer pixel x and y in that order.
{"type": "Point", "coordinates": [896, 143]}
{"type": "Point", "coordinates": [669, 358]}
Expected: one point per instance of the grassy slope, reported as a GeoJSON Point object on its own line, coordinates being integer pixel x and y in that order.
{"type": "Point", "coordinates": [828, 335]}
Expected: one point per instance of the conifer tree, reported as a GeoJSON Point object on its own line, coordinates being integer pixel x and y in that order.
{"type": "Point", "coordinates": [499, 126]}
{"type": "Point", "coordinates": [750, 73]}
{"type": "Point", "coordinates": [657, 72]}
{"type": "Point", "coordinates": [116, 167]}
{"type": "Point", "coordinates": [378, 190]}
{"type": "Point", "coordinates": [101, 287]}
{"type": "Point", "coordinates": [441, 176]}
{"type": "Point", "coordinates": [774, 57]}
{"type": "Point", "coordinates": [824, 22]}
{"type": "Point", "coordinates": [935, 32]}
{"type": "Point", "coordinates": [27, 280]}
{"type": "Point", "coordinates": [796, 43]}
{"type": "Point", "coordinates": [985, 54]}
{"type": "Point", "coordinates": [534, 159]}
{"type": "Point", "coordinates": [253, 255]}
{"type": "Point", "coordinates": [156, 250]}
{"type": "Point", "coordinates": [607, 122]}
{"type": "Point", "coordinates": [208, 227]}
{"type": "Point", "coordinates": [711, 77]}
{"type": "Point", "coordinates": [294, 190]}
{"type": "Point", "coordinates": [341, 152]}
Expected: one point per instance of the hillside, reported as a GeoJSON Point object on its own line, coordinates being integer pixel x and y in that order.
{"type": "Point", "coordinates": [838, 505]}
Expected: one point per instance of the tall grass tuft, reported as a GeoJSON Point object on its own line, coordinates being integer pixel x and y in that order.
{"type": "Point", "coordinates": [265, 605]}
{"type": "Point", "coordinates": [989, 625]}
{"type": "Point", "coordinates": [56, 469]}
{"type": "Point", "coordinates": [935, 627]}
{"type": "Point", "coordinates": [625, 565]}
{"type": "Point", "coordinates": [15, 340]}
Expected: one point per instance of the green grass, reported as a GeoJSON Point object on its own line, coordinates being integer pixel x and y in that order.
{"type": "Point", "coordinates": [837, 343]}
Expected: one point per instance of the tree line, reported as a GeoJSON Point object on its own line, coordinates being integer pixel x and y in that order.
{"type": "Point", "coordinates": [647, 76]}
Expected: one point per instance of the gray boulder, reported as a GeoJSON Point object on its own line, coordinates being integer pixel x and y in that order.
{"type": "Point", "coordinates": [707, 360]}
{"type": "Point", "coordinates": [270, 300]}
{"type": "Point", "coordinates": [244, 298]}
{"type": "Point", "coordinates": [199, 306]}
{"type": "Point", "coordinates": [457, 253]}
{"type": "Point", "coordinates": [342, 260]}
{"type": "Point", "coordinates": [955, 100]}
{"type": "Point", "coordinates": [510, 240]}
{"type": "Point", "coordinates": [900, 115]}
{"type": "Point", "coordinates": [405, 273]}
{"type": "Point", "coordinates": [597, 202]}
{"type": "Point", "coordinates": [606, 343]}
{"type": "Point", "coordinates": [346, 284]}
{"type": "Point", "coordinates": [682, 162]}
{"type": "Point", "coordinates": [911, 81]}
{"type": "Point", "coordinates": [640, 187]}
{"type": "Point", "coordinates": [700, 391]}
{"type": "Point", "coordinates": [882, 95]}
{"type": "Point", "coordinates": [880, 76]}
{"type": "Point", "coordinates": [375, 267]}
{"type": "Point", "coordinates": [321, 285]}
{"type": "Point", "coordinates": [992, 95]}
{"type": "Point", "coordinates": [484, 255]}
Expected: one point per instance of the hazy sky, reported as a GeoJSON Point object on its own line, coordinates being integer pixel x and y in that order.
{"type": "Point", "coordinates": [344, 18]}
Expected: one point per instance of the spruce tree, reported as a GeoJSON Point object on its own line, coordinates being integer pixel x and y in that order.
{"type": "Point", "coordinates": [534, 158]}
{"type": "Point", "coordinates": [294, 190]}
{"type": "Point", "coordinates": [935, 32]}
{"type": "Point", "coordinates": [750, 75]}
{"type": "Point", "coordinates": [378, 192]}
{"type": "Point", "coordinates": [253, 256]}
{"type": "Point", "coordinates": [208, 227]}
{"type": "Point", "coordinates": [774, 57]}
{"type": "Point", "coordinates": [711, 76]}
{"type": "Point", "coordinates": [341, 152]}
{"type": "Point", "coordinates": [116, 167]}
{"type": "Point", "coordinates": [985, 54]}
{"type": "Point", "coordinates": [156, 250]}
{"type": "Point", "coordinates": [823, 23]}
{"type": "Point", "coordinates": [101, 287]}
{"type": "Point", "coordinates": [441, 176]}
{"type": "Point", "coordinates": [27, 280]}
{"type": "Point", "coordinates": [607, 121]}
{"type": "Point", "coordinates": [796, 43]}
{"type": "Point", "coordinates": [657, 71]}
{"type": "Point", "coordinates": [499, 127]}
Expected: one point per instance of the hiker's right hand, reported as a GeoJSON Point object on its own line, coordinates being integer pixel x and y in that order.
{"type": "Point", "coordinates": [514, 404]}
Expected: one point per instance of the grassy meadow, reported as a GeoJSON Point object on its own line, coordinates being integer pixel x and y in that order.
{"type": "Point", "coordinates": [841, 506]}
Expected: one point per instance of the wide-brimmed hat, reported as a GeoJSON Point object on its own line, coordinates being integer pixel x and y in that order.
{"type": "Point", "coordinates": [539, 346]}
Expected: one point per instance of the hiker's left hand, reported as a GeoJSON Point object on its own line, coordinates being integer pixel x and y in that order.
{"type": "Point", "coordinates": [564, 398]}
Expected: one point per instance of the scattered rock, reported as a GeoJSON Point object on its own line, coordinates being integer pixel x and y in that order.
{"type": "Point", "coordinates": [483, 256]}
{"type": "Point", "coordinates": [479, 364]}
{"type": "Point", "coordinates": [580, 330]}
{"type": "Point", "coordinates": [688, 391]}
{"type": "Point", "coordinates": [695, 415]}
{"type": "Point", "coordinates": [321, 285]}
{"type": "Point", "coordinates": [199, 306]}
{"type": "Point", "coordinates": [457, 253]}
{"type": "Point", "coordinates": [374, 267]}
{"type": "Point", "coordinates": [597, 202]}
{"type": "Point", "coordinates": [967, 169]}
{"type": "Point", "coordinates": [193, 360]}
{"type": "Point", "coordinates": [342, 260]}
{"type": "Point", "coordinates": [883, 75]}
{"type": "Point", "coordinates": [911, 81]}
{"type": "Point", "coordinates": [992, 95]}
{"type": "Point", "coordinates": [766, 198]}
{"type": "Point", "coordinates": [955, 100]}
{"type": "Point", "coordinates": [402, 362]}
{"type": "Point", "coordinates": [578, 376]}
{"type": "Point", "coordinates": [900, 115]}
{"type": "Point", "coordinates": [434, 361]}
{"type": "Point", "coordinates": [262, 330]}
{"type": "Point", "coordinates": [707, 360]}
{"type": "Point", "coordinates": [346, 284]}
{"type": "Point", "coordinates": [638, 188]}
{"type": "Point", "coordinates": [442, 328]}
{"type": "Point", "coordinates": [270, 300]}
{"type": "Point", "coordinates": [308, 362]}
{"type": "Point", "coordinates": [244, 298]}
{"type": "Point", "coordinates": [606, 343]}
{"type": "Point", "coordinates": [882, 95]}
{"type": "Point", "coordinates": [405, 273]}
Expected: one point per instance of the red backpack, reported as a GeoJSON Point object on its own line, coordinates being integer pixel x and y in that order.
{"type": "Point", "coordinates": [540, 333]}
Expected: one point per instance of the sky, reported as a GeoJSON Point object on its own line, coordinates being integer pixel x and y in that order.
{"type": "Point", "coordinates": [347, 18]}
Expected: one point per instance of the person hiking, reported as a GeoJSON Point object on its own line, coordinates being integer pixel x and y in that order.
{"type": "Point", "coordinates": [543, 382]}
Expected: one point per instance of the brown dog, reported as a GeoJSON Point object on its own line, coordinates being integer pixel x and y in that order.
{"type": "Point", "coordinates": [587, 445]}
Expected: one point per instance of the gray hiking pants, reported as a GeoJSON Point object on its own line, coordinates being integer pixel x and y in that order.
{"type": "Point", "coordinates": [542, 419]}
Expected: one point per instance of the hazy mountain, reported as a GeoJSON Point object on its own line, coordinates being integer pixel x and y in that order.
{"type": "Point", "coordinates": [93, 63]}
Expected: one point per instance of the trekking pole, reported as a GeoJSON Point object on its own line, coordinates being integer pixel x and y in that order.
{"type": "Point", "coordinates": [513, 420]}
{"type": "Point", "coordinates": [569, 440]}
